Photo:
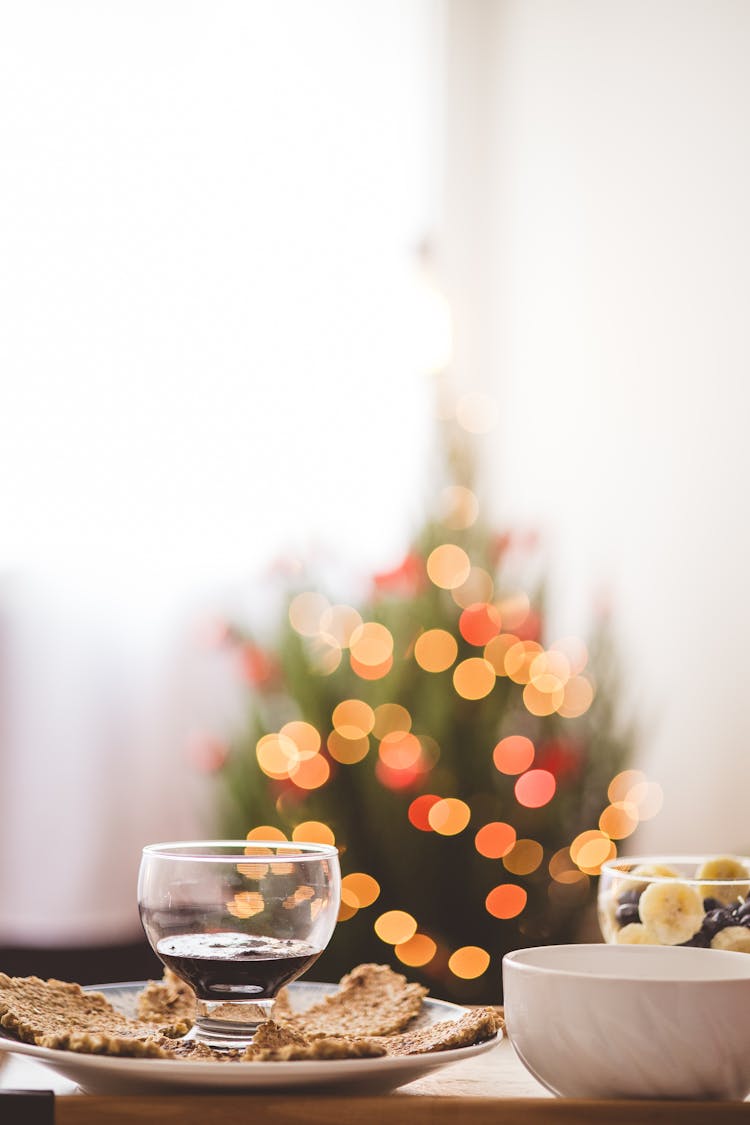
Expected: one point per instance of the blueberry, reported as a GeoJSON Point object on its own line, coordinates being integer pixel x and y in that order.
{"type": "Point", "coordinates": [716, 920]}
{"type": "Point", "coordinates": [700, 940]}
{"type": "Point", "coordinates": [627, 913]}
{"type": "Point", "coordinates": [629, 897]}
{"type": "Point", "coordinates": [712, 904]}
{"type": "Point", "coordinates": [743, 914]}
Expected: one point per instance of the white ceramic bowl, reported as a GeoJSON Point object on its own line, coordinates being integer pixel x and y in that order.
{"type": "Point", "coordinates": [647, 1021]}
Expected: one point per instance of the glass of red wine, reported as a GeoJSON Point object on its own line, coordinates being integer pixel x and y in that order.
{"type": "Point", "coordinates": [237, 920]}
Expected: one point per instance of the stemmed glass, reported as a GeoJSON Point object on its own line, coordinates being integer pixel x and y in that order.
{"type": "Point", "coordinates": [236, 920]}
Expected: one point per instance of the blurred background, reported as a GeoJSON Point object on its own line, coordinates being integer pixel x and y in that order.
{"type": "Point", "coordinates": [292, 297]}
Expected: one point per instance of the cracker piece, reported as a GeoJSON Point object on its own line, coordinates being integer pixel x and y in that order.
{"type": "Point", "coordinates": [282, 1010]}
{"type": "Point", "coordinates": [84, 1043]}
{"type": "Point", "coordinates": [323, 1048]}
{"type": "Point", "coordinates": [57, 1014]}
{"type": "Point", "coordinates": [271, 1035]}
{"type": "Point", "coordinates": [167, 999]}
{"type": "Point", "coordinates": [192, 1051]}
{"type": "Point", "coordinates": [474, 1026]}
{"type": "Point", "coordinates": [372, 1000]}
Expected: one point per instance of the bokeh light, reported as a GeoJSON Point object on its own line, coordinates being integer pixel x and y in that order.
{"type": "Point", "coordinates": [591, 849]}
{"type": "Point", "coordinates": [494, 840]}
{"type": "Point", "coordinates": [370, 671]}
{"type": "Point", "coordinates": [448, 566]}
{"type": "Point", "coordinates": [246, 904]}
{"type": "Point", "coordinates": [419, 811]}
{"type": "Point", "coordinates": [518, 660]}
{"type": "Point", "coordinates": [562, 868]}
{"type": "Point", "coordinates": [400, 750]}
{"type": "Point", "coordinates": [395, 927]}
{"type": "Point", "coordinates": [551, 663]}
{"type": "Point", "coordinates": [312, 773]}
{"type": "Point", "coordinates": [277, 755]}
{"type": "Point", "coordinates": [506, 900]}
{"type": "Point", "coordinates": [478, 587]}
{"type": "Point", "coordinates": [361, 887]}
{"type": "Point", "coordinates": [347, 751]}
{"type": "Point", "coordinates": [579, 695]}
{"type": "Point", "coordinates": [398, 779]}
{"type": "Point", "coordinates": [469, 962]}
{"type": "Point", "coordinates": [474, 678]}
{"type": "Point", "coordinates": [353, 718]}
{"type": "Point", "coordinates": [371, 644]}
{"type": "Point", "coordinates": [622, 783]}
{"type": "Point", "coordinates": [390, 717]}
{"type": "Point", "coordinates": [525, 857]}
{"type": "Point", "coordinates": [264, 832]}
{"type": "Point", "coordinates": [543, 695]}
{"type": "Point", "coordinates": [449, 816]}
{"type": "Point", "coordinates": [479, 623]}
{"type": "Point", "coordinates": [496, 650]}
{"type": "Point", "coordinates": [535, 788]}
{"type": "Point", "coordinates": [417, 951]}
{"type": "Point", "coordinates": [619, 820]}
{"type": "Point", "coordinates": [338, 623]}
{"type": "Point", "coordinates": [648, 797]}
{"type": "Point", "coordinates": [513, 754]}
{"type": "Point", "coordinates": [459, 507]}
{"type": "Point", "coordinates": [435, 650]}
{"type": "Point", "coordinates": [349, 905]}
{"type": "Point", "coordinates": [304, 736]}
{"type": "Point", "coordinates": [313, 832]}
{"type": "Point", "coordinates": [306, 611]}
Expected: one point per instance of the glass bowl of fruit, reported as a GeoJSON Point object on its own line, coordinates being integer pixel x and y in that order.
{"type": "Point", "coordinates": [676, 900]}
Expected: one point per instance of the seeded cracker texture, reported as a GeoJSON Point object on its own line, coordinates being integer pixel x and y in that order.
{"type": "Point", "coordinates": [360, 1020]}
{"type": "Point", "coordinates": [371, 1000]}
{"type": "Point", "coordinates": [322, 1048]}
{"type": "Point", "coordinates": [473, 1027]}
{"type": "Point", "coordinates": [57, 1014]}
{"type": "Point", "coordinates": [169, 999]}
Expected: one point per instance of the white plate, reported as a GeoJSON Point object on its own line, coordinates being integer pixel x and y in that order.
{"type": "Point", "coordinates": [103, 1074]}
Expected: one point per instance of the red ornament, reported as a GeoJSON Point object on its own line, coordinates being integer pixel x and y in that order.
{"type": "Point", "coordinates": [405, 581]}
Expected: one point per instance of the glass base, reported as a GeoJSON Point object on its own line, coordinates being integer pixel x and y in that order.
{"type": "Point", "coordinates": [229, 1024]}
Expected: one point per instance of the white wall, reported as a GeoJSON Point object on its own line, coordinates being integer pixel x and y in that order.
{"type": "Point", "coordinates": [620, 247]}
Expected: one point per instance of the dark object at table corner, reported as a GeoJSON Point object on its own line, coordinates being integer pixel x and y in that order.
{"type": "Point", "coordinates": [27, 1107]}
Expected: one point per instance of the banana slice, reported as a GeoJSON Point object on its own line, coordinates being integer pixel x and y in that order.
{"type": "Point", "coordinates": [635, 933]}
{"type": "Point", "coordinates": [723, 867]}
{"type": "Point", "coordinates": [672, 911]}
{"type": "Point", "coordinates": [733, 937]}
{"type": "Point", "coordinates": [637, 879]}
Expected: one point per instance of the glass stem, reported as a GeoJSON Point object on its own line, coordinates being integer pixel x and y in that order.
{"type": "Point", "coordinates": [230, 1023]}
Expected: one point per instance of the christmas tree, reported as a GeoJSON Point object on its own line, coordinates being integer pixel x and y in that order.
{"type": "Point", "coordinates": [469, 768]}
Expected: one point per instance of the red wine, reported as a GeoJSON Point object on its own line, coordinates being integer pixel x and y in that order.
{"type": "Point", "coordinates": [232, 966]}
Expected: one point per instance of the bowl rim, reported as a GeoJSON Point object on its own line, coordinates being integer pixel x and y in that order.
{"type": "Point", "coordinates": [516, 959]}
{"type": "Point", "coordinates": [284, 851]}
{"type": "Point", "coordinates": [614, 867]}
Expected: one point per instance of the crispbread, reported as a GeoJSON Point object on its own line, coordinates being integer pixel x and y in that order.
{"type": "Point", "coordinates": [321, 1048]}
{"type": "Point", "coordinates": [371, 1000]}
{"type": "Point", "coordinates": [167, 999]}
{"type": "Point", "coordinates": [272, 1035]}
{"type": "Point", "coordinates": [473, 1027]}
{"type": "Point", "coordinates": [55, 1013]}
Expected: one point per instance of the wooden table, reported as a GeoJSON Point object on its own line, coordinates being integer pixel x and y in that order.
{"type": "Point", "coordinates": [491, 1089]}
